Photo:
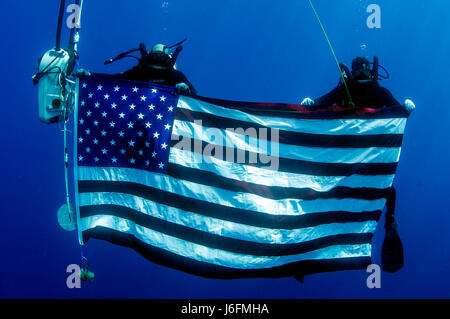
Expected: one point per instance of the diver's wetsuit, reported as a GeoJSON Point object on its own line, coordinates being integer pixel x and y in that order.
{"type": "Point", "coordinates": [158, 76]}
{"type": "Point", "coordinates": [367, 94]}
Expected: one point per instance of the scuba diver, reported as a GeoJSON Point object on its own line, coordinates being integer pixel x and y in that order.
{"type": "Point", "coordinates": [360, 88]}
{"type": "Point", "coordinates": [157, 66]}
{"type": "Point", "coordinates": [363, 88]}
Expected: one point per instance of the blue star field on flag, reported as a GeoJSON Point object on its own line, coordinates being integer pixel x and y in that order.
{"type": "Point", "coordinates": [123, 125]}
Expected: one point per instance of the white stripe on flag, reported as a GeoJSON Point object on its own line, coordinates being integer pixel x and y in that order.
{"type": "Point", "coordinates": [262, 176]}
{"type": "Point", "coordinates": [222, 227]}
{"type": "Point", "coordinates": [322, 126]}
{"type": "Point", "coordinates": [226, 198]}
{"type": "Point", "coordinates": [313, 154]}
{"type": "Point", "coordinates": [217, 256]}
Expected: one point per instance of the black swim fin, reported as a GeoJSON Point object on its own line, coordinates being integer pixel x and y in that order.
{"type": "Point", "coordinates": [392, 251]}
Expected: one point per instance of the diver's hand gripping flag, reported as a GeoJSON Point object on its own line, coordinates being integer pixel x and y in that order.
{"type": "Point", "coordinates": [147, 179]}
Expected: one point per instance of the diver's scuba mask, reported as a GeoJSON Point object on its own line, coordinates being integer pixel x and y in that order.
{"type": "Point", "coordinates": [159, 56]}
{"type": "Point", "coordinates": [361, 70]}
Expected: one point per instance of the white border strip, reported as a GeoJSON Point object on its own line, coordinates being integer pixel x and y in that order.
{"type": "Point", "coordinates": [75, 164]}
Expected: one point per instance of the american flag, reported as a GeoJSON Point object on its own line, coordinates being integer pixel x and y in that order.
{"type": "Point", "coordinates": [154, 174]}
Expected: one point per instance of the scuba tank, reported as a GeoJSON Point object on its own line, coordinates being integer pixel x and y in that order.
{"type": "Point", "coordinates": [375, 68]}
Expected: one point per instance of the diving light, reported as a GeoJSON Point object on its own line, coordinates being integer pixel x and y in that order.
{"type": "Point", "coordinates": [53, 87]}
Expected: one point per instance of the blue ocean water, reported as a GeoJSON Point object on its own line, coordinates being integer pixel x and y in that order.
{"type": "Point", "coordinates": [266, 51]}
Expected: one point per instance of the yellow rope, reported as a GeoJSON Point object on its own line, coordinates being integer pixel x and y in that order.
{"type": "Point", "coordinates": [332, 51]}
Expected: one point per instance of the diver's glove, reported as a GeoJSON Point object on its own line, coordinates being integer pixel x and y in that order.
{"type": "Point", "coordinates": [307, 101]}
{"type": "Point", "coordinates": [83, 72]}
{"type": "Point", "coordinates": [182, 88]}
{"type": "Point", "coordinates": [410, 106]}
